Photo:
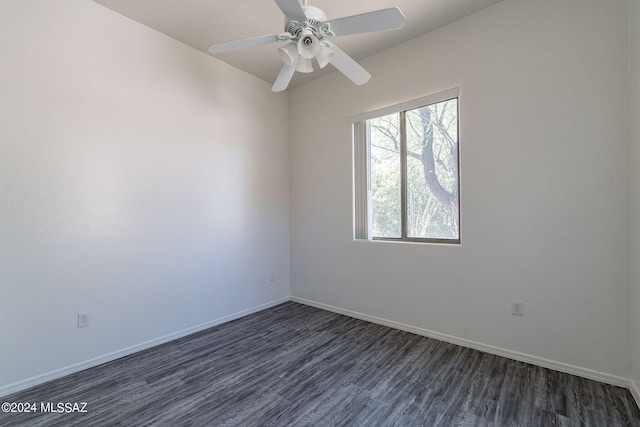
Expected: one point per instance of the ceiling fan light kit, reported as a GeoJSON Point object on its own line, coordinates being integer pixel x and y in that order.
{"type": "Point", "coordinates": [306, 30]}
{"type": "Point", "coordinates": [325, 54]}
{"type": "Point", "coordinates": [304, 65]}
{"type": "Point", "coordinates": [288, 53]}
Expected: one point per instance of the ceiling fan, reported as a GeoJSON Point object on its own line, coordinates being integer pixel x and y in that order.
{"type": "Point", "coordinates": [307, 30]}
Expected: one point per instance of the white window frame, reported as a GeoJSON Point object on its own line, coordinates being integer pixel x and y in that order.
{"type": "Point", "coordinates": [361, 145]}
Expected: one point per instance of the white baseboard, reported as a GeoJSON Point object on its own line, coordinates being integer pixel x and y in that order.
{"type": "Point", "coordinates": [498, 351]}
{"type": "Point", "coordinates": [58, 373]}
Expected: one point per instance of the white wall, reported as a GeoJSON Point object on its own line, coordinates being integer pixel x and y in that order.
{"type": "Point", "coordinates": [140, 180]}
{"type": "Point", "coordinates": [634, 120]}
{"type": "Point", "coordinates": [544, 188]}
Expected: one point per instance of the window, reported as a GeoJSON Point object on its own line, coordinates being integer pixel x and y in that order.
{"type": "Point", "coordinates": [406, 171]}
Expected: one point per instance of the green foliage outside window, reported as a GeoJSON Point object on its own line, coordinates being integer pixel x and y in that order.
{"type": "Point", "coordinates": [418, 146]}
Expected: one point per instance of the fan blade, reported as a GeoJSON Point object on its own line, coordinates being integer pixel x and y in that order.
{"type": "Point", "coordinates": [379, 20]}
{"type": "Point", "coordinates": [284, 78]}
{"type": "Point", "coordinates": [240, 44]}
{"type": "Point", "coordinates": [292, 10]}
{"type": "Point", "coordinates": [347, 66]}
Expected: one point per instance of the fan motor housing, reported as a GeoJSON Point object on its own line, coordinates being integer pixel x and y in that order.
{"type": "Point", "coordinates": [314, 14]}
{"type": "Point", "coordinates": [315, 17]}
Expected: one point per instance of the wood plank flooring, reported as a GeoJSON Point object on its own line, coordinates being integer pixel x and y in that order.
{"type": "Point", "coordinates": [294, 365]}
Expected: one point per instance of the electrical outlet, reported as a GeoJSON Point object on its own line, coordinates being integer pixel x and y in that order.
{"type": "Point", "coordinates": [516, 308]}
{"type": "Point", "coordinates": [83, 319]}
{"type": "Point", "coordinates": [271, 277]}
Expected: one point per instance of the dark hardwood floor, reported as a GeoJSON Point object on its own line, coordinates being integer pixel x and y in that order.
{"type": "Point", "coordinates": [293, 365]}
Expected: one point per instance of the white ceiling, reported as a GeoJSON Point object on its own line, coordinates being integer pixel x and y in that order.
{"type": "Point", "coordinates": [199, 23]}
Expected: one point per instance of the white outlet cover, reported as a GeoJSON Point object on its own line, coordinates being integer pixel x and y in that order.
{"type": "Point", "coordinates": [516, 308]}
{"type": "Point", "coordinates": [83, 319]}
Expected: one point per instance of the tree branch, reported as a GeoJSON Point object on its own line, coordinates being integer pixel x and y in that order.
{"type": "Point", "coordinates": [447, 199]}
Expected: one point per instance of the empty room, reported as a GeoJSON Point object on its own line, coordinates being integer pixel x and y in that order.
{"type": "Point", "coordinates": [292, 213]}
